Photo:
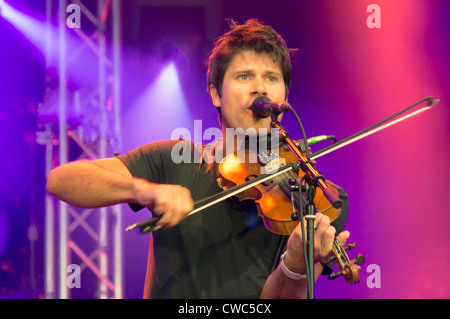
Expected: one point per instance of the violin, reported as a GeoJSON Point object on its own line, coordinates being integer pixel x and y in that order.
{"type": "Point", "coordinates": [274, 199]}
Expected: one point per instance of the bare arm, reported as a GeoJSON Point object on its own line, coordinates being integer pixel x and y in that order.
{"type": "Point", "coordinates": [92, 184]}
{"type": "Point", "coordinates": [108, 182]}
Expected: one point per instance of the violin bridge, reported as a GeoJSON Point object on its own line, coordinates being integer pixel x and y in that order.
{"type": "Point", "coordinates": [272, 166]}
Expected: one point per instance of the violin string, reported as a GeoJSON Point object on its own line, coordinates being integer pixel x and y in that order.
{"type": "Point", "coordinates": [283, 180]}
{"type": "Point", "coordinates": [325, 209]}
{"type": "Point", "coordinates": [341, 251]}
{"type": "Point", "coordinates": [283, 183]}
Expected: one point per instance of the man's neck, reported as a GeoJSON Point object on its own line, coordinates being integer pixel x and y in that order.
{"type": "Point", "coordinates": [235, 140]}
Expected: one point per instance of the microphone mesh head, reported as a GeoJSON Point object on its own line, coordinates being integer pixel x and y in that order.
{"type": "Point", "coordinates": [258, 108]}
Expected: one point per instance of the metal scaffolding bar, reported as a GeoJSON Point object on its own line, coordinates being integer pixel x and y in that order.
{"type": "Point", "coordinates": [117, 58]}
{"type": "Point", "coordinates": [63, 150]}
{"type": "Point", "coordinates": [46, 138]}
{"type": "Point", "coordinates": [105, 258]}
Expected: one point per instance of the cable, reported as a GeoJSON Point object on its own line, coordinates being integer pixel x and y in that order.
{"type": "Point", "coordinates": [308, 151]}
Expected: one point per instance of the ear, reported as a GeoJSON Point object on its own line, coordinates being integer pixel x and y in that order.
{"type": "Point", "coordinates": [214, 94]}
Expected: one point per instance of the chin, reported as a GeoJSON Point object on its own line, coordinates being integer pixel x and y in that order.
{"type": "Point", "coordinates": [262, 124]}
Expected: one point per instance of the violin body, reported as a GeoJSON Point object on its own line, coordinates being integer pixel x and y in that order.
{"type": "Point", "coordinates": [272, 197]}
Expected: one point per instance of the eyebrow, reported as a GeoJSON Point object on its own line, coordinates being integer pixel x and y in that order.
{"type": "Point", "coordinates": [268, 72]}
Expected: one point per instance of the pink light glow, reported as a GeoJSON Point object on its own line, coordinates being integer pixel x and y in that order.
{"type": "Point", "coordinates": [392, 175]}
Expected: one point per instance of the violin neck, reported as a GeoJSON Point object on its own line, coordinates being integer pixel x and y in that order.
{"type": "Point", "coordinates": [340, 251]}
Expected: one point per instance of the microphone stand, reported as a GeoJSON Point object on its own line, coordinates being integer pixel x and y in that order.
{"type": "Point", "coordinates": [308, 248]}
{"type": "Point", "coordinates": [313, 179]}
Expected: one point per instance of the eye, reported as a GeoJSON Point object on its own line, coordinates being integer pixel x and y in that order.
{"type": "Point", "coordinates": [243, 77]}
{"type": "Point", "coordinates": [272, 79]}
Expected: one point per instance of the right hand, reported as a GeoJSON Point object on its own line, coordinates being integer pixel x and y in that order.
{"type": "Point", "coordinates": [173, 202]}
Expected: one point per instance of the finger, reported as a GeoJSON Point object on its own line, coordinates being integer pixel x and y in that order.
{"type": "Point", "coordinates": [165, 216]}
{"type": "Point", "coordinates": [160, 206]}
{"type": "Point", "coordinates": [343, 236]}
{"type": "Point", "coordinates": [319, 217]}
{"type": "Point", "coordinates": [171, 215]}
{"type": "Point", "coordinates": [178, 204]}
{"type": "Point", "coordinates": [329, 236]}
{"type": "Point", "coordinates": [322, 224]}
{"type": "Point", "coordinates": [181, 206]}
{"type": "Point", "coordinates": [327, 241]}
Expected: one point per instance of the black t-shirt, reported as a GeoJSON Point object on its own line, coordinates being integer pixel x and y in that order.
{"type": "Point", "coordinates": [224, 251]}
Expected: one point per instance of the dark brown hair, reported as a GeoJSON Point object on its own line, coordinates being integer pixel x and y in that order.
{"type": "Point", "coordinates": [253, 35]}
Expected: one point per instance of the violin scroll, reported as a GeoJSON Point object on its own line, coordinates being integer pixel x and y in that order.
{"type": "Point", "coordinates": [347, 268]}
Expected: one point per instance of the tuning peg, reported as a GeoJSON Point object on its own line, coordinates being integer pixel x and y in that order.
{"type": "Point", "coordinates": [359, 259]}
{"type": "Point", "coordinates": [350, 273]}
{"type": "Point", "coordinates": [326, 260]}
{"type": "Point", "coordinates": [349, 246]}
{"type": "Point", "coordinates": [334, 275]}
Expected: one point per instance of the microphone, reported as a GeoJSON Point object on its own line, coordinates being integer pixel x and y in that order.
{"type": "Point", "coordinates": [263, 107]}
{"type": "Point", "coordinates": [314, 140]}
{"type": "Point", "coordinates": [321, 138]}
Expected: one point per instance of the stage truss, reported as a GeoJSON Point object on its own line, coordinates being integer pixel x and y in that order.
{"type": "Point", "coordinates": [89, 239]}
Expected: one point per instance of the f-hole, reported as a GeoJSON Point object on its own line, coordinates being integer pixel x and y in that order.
{"type": "Point", "coordinates": [249, 177]}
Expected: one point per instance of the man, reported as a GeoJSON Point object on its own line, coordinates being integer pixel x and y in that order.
{"type": "Point", "coordinates": [224, 251]}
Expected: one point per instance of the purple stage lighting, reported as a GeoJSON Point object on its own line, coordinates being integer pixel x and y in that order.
{"type": "Point", "coordinates": [33, 29]}
{"type": "Point", "coordinates": [160, 106]}
{"type": "Point", "coordinates": [3, 231]}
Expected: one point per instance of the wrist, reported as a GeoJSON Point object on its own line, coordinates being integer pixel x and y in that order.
{"type": "Point", "coordinates": [297, 274]}
{"type": "Point", "coordinates": [140, 191]}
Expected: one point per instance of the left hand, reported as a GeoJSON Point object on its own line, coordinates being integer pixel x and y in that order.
{"type": "Point", "coordinates": [324, 235]}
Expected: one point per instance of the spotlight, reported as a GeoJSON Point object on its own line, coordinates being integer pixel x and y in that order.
{"type": "Point", "coordinates": [2, 3]}
{"type": "Point", "coordinates": [169, 52]}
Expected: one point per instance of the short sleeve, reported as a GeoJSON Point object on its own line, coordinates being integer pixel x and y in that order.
{"type": "Point", "coordinates": [149, 162]}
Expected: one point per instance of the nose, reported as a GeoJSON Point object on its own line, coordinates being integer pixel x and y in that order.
{"type": "Point", "coordinates": [258, 87]}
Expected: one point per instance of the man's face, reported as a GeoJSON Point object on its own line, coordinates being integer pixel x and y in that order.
{"type": "Point", "coordinates": [248, 76]}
